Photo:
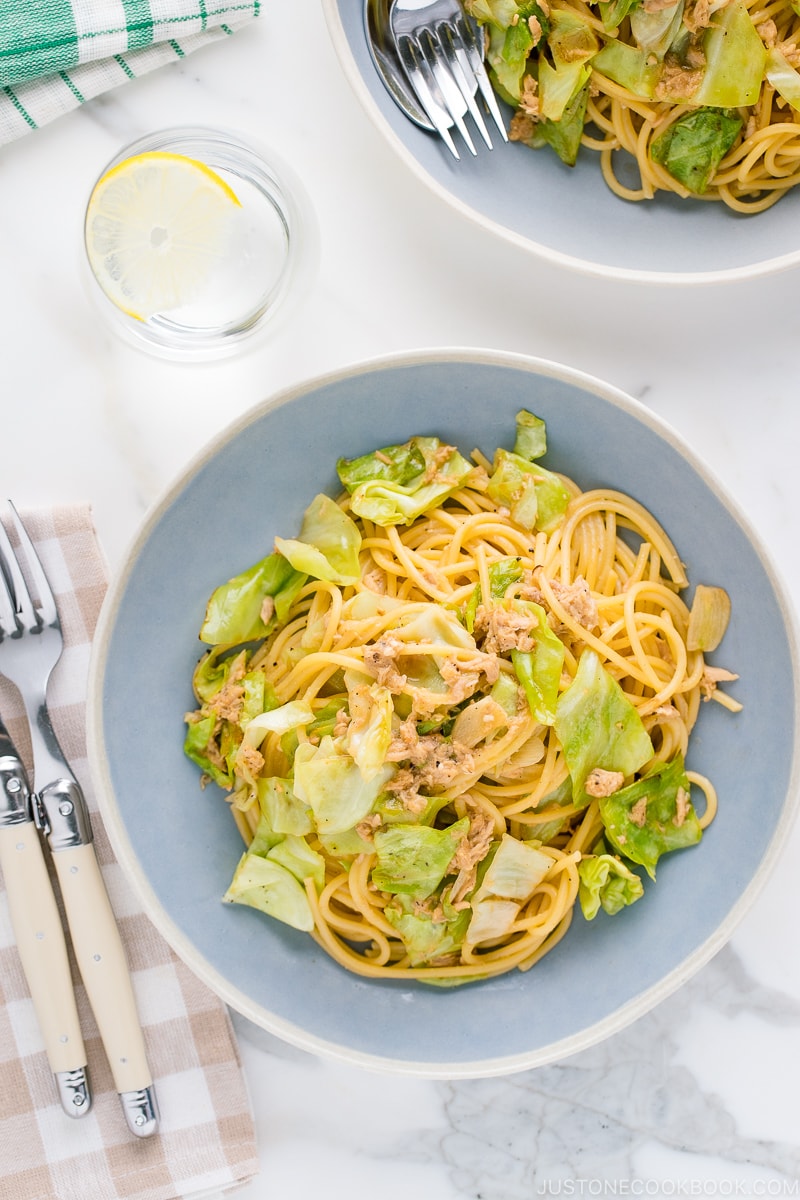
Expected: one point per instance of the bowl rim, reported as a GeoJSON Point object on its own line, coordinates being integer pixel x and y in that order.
{"type": "Point", "coordinates": [182, 945]}
{"type": "Point", "coordinates": [597, 270]}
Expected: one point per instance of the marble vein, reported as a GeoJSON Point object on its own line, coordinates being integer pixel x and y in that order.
{"type": "Point", "coordinates": [591, 1116]}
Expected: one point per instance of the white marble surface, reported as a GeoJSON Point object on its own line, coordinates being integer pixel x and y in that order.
{"type": "Point", "coordinates": [700, 1096]}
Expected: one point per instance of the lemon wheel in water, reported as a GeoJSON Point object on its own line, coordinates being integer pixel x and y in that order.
{"type": "Point", "coordinates": [157, 225]}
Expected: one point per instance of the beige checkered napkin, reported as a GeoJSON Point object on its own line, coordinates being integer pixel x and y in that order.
{"type": "Point", "coordinates": [206, 1141]}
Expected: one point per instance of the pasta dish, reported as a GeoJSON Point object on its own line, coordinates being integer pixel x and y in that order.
{"type": "Point", "coordinates": [455, 707]}
{"type": "Point", "coordinates": [694, 97]}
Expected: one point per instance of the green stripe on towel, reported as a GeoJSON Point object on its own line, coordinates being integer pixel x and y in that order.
{"type": "Point", "coordinates": [75, 91]}
{"type": "Point", "coordinates": [139, 19]}
{"type": "Point", "coordinates": [38, 39]}
{"type": "Point", "coordinates": [23, 112]}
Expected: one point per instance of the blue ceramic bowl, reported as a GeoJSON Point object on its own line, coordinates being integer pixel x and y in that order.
{"type": "Point", "coordinates": [179, 845]}
{"type": "Point", "coordinates": [567, 214]}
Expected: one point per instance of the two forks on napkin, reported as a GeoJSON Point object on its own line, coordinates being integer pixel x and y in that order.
{"type": "Point", "coordinates": [56, 54]}
{"type": "Point", "coordinates": [206, 1142]}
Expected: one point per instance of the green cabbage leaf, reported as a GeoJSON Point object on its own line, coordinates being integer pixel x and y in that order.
{"type": "Point", "coordinates": [493, 12]}
{"type": "Point", "coordinates": [652, 816]}
{"type": "Point", "coordinates": [261, 883]}
{"type": "Point", "coordinates": [614, 12]}
{"type": "Point", "coordinates": [564, 135]}
{"type": "Point", "coordinates": [512, 40]}
{"type": "Point", "coordinates": [598, 726]}
{"type": "Point", "coordinates": [606, 882]}
{"type": "Point", "coordinates": [401, 465]}
{"type": "Point", "coordinates": [328, 545]}
{"type": "Point", "coordinates": [196, 746]}
{"type": "Point", "coordinates": [692, 147]}
{"type": "Point", "coordinates": [235, 611]}
{"type": "Point", "coordinates": [535, 497]}
{"type": "Point", "coordinates": [370, 730]}
{"type": "Point", "coordinates": [425, 938]}
{"type": "Point", "coordinates": [531, 435]}
{"type": "Point", "coordinates": [655, 31]}
{"type": "Point", "coordinates": [502, 573]}
{"type": "Point", "coordinates": [515, 870]}
{"type": "Point", "coordinates": [280, 807]}
{"type": "Point", "coordinates": [571, 43]}
{"type": "Point", "coordinates": [491, 918]}
{"type": "Point", "coordinates": [539, 670]}
{"type": "Point", "coordinates": [429, 624]}
{"type": "Point", "coordinates": [736, 59]}
{"type": "Point", "coordinates": [784, 78]}
{"type": "Point", "coordinates": [387, 493]}
{"type": "Point", "coordinates": [330, 782]}
{"type": "Point", "coordinates": [413, 859]}
{"type": "Point", "coordinates": [629, 66]}
{"type": "Point", "coordinates": [300, 859]}
{"type": "Point", "coordinates": [290, 716]}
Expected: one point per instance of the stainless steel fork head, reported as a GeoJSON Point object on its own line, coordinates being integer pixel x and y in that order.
{"type": "Point", "coordinates": [30, 640]}
{"type": "Point", "coordinates": [387, 63]}
{"type": "Point", "coordinates": [440, 49]}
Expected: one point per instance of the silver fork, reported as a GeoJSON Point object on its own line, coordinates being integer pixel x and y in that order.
{"type": "Point", "coordinates": [31, 644]}
{"type": "Point", "coordinates": [441, 52]}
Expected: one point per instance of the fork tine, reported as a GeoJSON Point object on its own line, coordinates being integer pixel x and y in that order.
{"type": "Point", "coordinates": [434, 111]}
{"type": "Point", "coordinates": [436, 57]}
{"type": "Point", "coordinates": [47, 613]}
{"type": "Point", "coordinates": [22, 610]}
{"type": "Point", "coordinates": [455, 52]}
{"type": "Point", "coordinates": [474, 52]}
{"type": "Point", "coordinates": [8, 617]}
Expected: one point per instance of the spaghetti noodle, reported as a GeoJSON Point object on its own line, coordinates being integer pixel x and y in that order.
{"type": "Point", "coordinates": [694, 97]}
{"type": "Point", "coordinates": [455, 706]}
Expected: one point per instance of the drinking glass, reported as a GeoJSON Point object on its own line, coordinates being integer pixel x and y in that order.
{"type": "Point", "coordinates": [236, 290]}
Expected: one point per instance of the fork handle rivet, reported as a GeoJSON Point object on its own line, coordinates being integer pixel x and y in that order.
{"type": "Point", "coordinates": [65, 808]}
{"type": "Point", "coordinates": [13, 785]}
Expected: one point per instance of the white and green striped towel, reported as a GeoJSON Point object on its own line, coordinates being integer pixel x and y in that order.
{"type": "Point", "coordinates": [56, 54]}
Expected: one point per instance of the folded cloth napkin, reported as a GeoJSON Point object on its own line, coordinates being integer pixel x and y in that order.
{"type": "Point", "coordinates": [206, 1142]}
{"type": "Point", "coordinates": [56, 54]}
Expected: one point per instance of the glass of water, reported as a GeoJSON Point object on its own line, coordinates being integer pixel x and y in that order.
{"type": "Point", "coordinates": [192, 240]}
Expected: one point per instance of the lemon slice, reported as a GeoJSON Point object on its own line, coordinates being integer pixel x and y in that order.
{"type": "Point", "coordinates": [157, 225]}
